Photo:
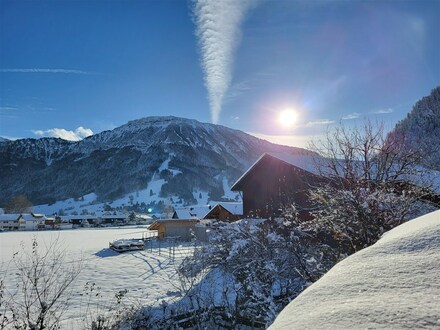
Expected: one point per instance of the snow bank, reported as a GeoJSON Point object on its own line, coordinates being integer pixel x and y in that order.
{"type": "Point", "coordinates": [392, 284]}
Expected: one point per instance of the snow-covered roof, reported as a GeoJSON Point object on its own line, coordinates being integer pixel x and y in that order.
{"type": "Point", "coordinates": [234, 208]}
{"type": "Point", "coordinates": [34, 216]}
{"type": "Point", "coordinates": [143, 216]}
{"type": "Point", "coordinates": [392, 284]}
{"type": "Point", "coordinates": [9, 217]}
{"type": "Point", "coordinates": [195, 211]}
{"type": "Point", "coordinates": [305, 162]}
{"type": "Point", "coordinates": [322, 166]}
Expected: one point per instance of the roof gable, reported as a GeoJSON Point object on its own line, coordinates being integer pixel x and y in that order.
{"type": "Point", "coordinates": [302, 162]}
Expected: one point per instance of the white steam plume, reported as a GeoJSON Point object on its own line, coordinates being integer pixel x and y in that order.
{"type": "Point", "coordinates": [218, 30]}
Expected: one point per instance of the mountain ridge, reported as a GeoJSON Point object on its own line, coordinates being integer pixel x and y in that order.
{"type": "Point", "coordinates": [116, 162]}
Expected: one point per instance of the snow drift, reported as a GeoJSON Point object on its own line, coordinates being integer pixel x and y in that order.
{"type": "Point", "coordinates": [392, 284]}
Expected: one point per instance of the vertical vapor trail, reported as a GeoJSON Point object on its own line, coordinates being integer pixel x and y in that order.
{"type": "Point", "coordinates": [218, 30]}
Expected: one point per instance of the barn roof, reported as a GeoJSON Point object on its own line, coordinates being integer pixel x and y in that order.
{"type": "Point", "coordinates": [322, 166]}
{"type": "Point", "coordinates": [233, 208]}
{"type": "Point", "coordinates": [195, 211]}
{"type": "Point", "coordinates": [9, 217]}
{"type": "Point", "coordinates": [304, 162]}
{"type": "Point", "coordinates": [33, 216]}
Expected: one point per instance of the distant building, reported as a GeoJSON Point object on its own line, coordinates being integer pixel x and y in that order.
{"type": "Point", "coordinates": [25, 221]}
{"type": "Point", "coordinates": [89, 219]}
{"type": "Point", "coordinates": [275, 181]}
{"type": "Point", "coordinates": [34, 221]}
{"type": "Point", "coordinates": [113, 218]}
{"type": "Point", "coordinates": [225, 211]}
{"type": "Point", "coordinates": [178, 228]}
{"type": "Point", "coordinates": [191, 212]}
{"type": "Point", "coordinates": [79, 219]}
{"type": "Point", "coordinates": [12, 222]}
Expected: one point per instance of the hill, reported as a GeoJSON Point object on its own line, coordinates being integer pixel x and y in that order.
{"type": "Point", "coordinates": [421, 129]}
{"type": "Point", "coordinates": [162, 156]}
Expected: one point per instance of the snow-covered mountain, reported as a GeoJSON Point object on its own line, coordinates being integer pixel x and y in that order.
{"type": "Point", "coordinates": [421, 129]}
{"type": "Point", "coordinates": [175, 156]}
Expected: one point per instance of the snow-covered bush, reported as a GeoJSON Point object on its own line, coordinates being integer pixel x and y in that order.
{"type": "Point", "coordinates": [376, 184]}
{"type": "Point", "coordinates": [269, 261]}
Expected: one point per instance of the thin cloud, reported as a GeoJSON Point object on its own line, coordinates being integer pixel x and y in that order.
{"type": "Point", "coordinates": [39, 70]}
{"type": "Point", "coordinates": [218, 30]}
{"type": "Point", "coordinates": [76, 135]}
{"type": "Point", "coordinates": [319, 122]}
{"type": "Point", "coordinates": [7, 108]}
{"type": "Point", "coordinates": [350, 116]}
{"type": "Point", "coordinates": [383, 111]}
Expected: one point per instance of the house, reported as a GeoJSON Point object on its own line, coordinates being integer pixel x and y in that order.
{"type": "Point", "coordinates": [275, 181]}
{"type": "Point", "coordinates": [12, 222]}
{"type": "Point", "coordinates": [225, 211]}
{"type": "Point", "coordinates": [181, 228]}
{"type": "Point", "coordinates": [34, 221]}
{"type": "Point", "coordinates": [189, 212]}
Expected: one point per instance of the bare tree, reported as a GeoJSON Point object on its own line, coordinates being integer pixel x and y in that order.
{"type": "Point", "coordinates": [43, 281]}
{"type": "Point", "coordinates": [376, 184]}
{"type": "Point", "coordinates": [18, 204]}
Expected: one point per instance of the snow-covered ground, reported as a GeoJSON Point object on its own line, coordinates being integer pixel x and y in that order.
{"type": "Point", "coordinates": [393, 284]}
{"type": "Point", "coordinates": [147, 275]}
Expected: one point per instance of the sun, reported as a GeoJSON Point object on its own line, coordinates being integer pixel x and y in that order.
{"type": "Point", "coordinates": [287, 118]}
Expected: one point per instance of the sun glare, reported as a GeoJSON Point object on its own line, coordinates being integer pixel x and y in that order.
{"type": "Point", "coordinates": [287, 118]}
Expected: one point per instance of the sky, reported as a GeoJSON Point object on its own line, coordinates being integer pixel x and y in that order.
{"type": "Point", "coordinates": [74, 68]}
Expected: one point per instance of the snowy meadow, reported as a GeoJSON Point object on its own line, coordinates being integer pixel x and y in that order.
{"type": "Point", "coordinates": [148, 276]}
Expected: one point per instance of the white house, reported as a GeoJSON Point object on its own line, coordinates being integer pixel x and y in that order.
{"type": "Point", "coordinates": [12, 222]}
{"type": "Point", "coordinates": [34, 221]}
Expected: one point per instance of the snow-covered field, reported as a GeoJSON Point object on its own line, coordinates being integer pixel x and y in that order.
{"type": "Point", "coordinates": [147, 275]}
{"type": "Point", "coordinates": [393, 284]}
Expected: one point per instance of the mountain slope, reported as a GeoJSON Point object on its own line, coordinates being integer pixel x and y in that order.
{"type": "Point", "coordinates": [198, 156]}
{"type": "Point", "coordinates": [421, 129]}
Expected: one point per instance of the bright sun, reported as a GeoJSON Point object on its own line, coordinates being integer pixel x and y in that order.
{"type": "Point", "coordinates": [287, 118]}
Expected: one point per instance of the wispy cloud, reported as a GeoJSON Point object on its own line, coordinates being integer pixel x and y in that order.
{"type": "Point", "coordinates": [40, 70]}
{"type": "Point", "coordinates": [382, 111]}
{"type": "Point", "coordinates": [319, 122]}
{"type": "Point", "coordinates": [76, 135]}
{"type": "Point", "coordinates": [8, 108]}
{"type": "Point", "coordinates": [218, 30]}
{"type": "Point", "coordinates": [350, 116]}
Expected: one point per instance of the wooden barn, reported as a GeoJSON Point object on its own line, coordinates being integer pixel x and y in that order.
{"type": "Point", "coordinates": [226, 211]}
{"type": "Point", "coordinates": [275, 181]}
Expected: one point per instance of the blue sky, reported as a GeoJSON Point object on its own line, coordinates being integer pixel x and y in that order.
{"type": "Point", "coordinates": [73, 68]}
